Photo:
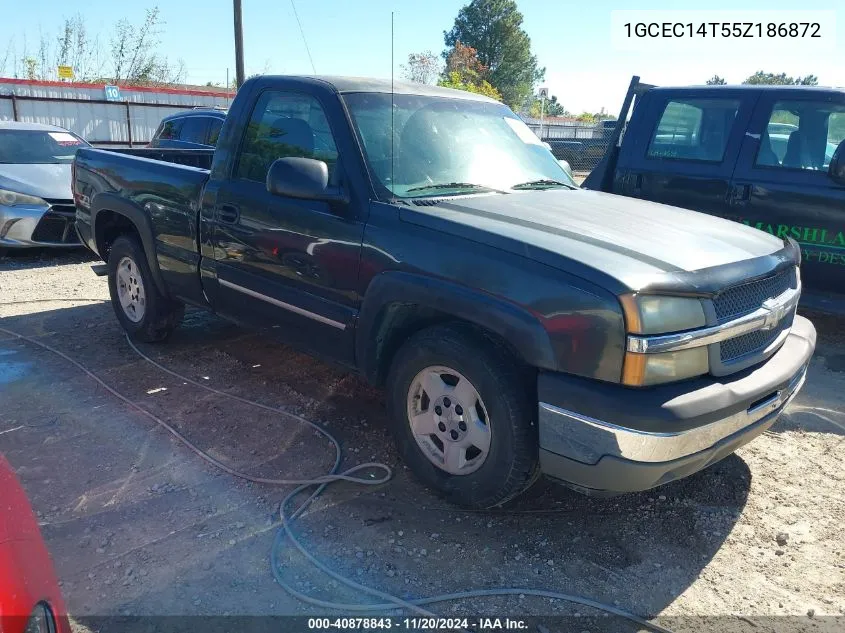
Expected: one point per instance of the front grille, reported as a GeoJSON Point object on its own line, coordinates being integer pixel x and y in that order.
{"type": "Point", "coordinates": [56, 226]}
{"type": "Point", "coordinates": [752, 343]}
{"type": "Point", "coordinates": [739, 300]}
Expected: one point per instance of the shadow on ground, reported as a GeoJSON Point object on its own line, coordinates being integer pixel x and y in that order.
{"type": "Point", "coordinates": [44, 257]}
{"type": "Point", "coordinates": [139, 525]}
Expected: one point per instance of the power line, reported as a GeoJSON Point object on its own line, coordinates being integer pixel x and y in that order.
{"type": "Point", "coordinates": [304, 41]}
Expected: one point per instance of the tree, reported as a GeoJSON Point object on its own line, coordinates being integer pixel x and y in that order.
{"type": "Point", "coordinates": [715, 80]}
{"type": "Point", "coordinates": [771, 79]}
{"type": "Point", "coordinates": [422, 67]}
{"type": "Point", "coordinates": [132, 56]}
{"type": "Point", "coordinates": [494, 29]}
{"type": "Point", "coordinates": [552, 107]}
{"type": "Point", "coordinates": [464, 71]}
{"type": "Point", "coordinates": [454, 80]}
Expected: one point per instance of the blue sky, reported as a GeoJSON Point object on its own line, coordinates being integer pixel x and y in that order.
{"type": "Point", "coordinates": [352, 37]}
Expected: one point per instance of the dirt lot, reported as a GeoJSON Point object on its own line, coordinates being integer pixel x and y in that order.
{"type": "Point", "coordinates": [137, 524]}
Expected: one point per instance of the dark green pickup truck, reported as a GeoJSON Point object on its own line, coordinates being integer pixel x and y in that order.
{"type": "Point", "coordinates": [425, 238]}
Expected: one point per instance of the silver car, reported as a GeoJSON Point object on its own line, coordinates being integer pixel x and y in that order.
{"type": "Point", "coordinates": [36, 204]}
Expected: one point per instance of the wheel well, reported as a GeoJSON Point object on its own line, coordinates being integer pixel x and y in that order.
{"type": "Point", "coordinates": [399, 321]}
{"type": "Point", "coordinates": [108, 227]}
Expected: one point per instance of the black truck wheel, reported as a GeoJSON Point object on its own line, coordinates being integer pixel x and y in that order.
{"type": "Point", "coordinates": [144, 313]}
{"type": "Point", "coordinates": [463, 417]}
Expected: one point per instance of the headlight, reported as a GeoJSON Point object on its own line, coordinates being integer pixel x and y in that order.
{"type": "Point", "coordinates": [640, 370]}
{"type": "Point", "coordinates": [656, 314]}
{"type": "Point", "coordinates": [13, 198]}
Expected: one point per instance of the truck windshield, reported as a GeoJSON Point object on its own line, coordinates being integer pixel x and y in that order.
{"type": "Point", "coordinates": [26, 147]}
{"type": "Point", "coordinates": [442, 146]}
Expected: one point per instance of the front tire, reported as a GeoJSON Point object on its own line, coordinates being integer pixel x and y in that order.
{"type": "Point", "coordinates": [463, 416]}
{"type": "Point", "coordinates": [144, 313]}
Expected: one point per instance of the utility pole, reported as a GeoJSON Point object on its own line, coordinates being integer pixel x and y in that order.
{"type": "Point", "coordinates": [239, 45]}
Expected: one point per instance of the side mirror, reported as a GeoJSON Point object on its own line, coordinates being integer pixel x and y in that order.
{"type": "Point", "coordinates": [566, 166]}
{"type": "Point", "coordinates": [836, 170]}
{"type": "Point", "coordinates": [304, 178]}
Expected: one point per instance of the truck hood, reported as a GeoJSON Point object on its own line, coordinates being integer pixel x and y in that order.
{"type": "Point", "coordinates": [42, 180]}
{"type": "Point", "coordinates": [628, 239]}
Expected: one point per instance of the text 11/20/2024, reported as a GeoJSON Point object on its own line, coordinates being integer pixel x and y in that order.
{"type": "Point", "coordinates": [416, 624]}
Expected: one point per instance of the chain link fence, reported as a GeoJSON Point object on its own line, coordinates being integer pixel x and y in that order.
{"type": "Point", "coordinates": [579, 143]}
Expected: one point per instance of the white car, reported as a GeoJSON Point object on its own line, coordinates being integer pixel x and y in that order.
{"type": "Point", "coordinates": [36, 204]}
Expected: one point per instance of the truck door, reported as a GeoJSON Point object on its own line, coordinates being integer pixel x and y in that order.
{"type": "Point", "coordinates": [781, 184]}
{"type": "Point", "coordinates": [684, 148]}
{"type": "Point", "coordinates": [288, 263]}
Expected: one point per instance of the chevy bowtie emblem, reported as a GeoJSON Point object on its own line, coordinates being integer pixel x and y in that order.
{"type": "Point", "coordinates": [776, 312]}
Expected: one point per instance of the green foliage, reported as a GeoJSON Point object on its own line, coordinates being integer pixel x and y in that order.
{"type": "Point", "coordinates": [30, 67]}
{"type": "Point", "coordinates": [483, 87]}
{"type": "Point", "coordinates": [132, 56]}
{"type": "Point", "coordinates": [494, 29]}
{"type": "Point", "coordinates": [771, 79]}
{"type": "Point", "coordinates": [715, 80]}
{"type": "Point", "coordinates": [552, 107]}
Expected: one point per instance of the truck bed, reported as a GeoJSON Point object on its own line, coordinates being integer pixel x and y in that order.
{"type": "Point", "coordinates": [158, 192]}
{"type": "Point", "coordinates": [200, 158]}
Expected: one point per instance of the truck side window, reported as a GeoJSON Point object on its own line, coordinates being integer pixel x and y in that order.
{"type": "Point", "coordinates": [694, 129]}
{"type": "Point", "coordinates": [194, 129]}
{"type": "Point", "coordinates": [170, 129]}
{"type": "Point", "coordinates": [214, 130]}
{"type": "Point", "coordinates": [285, 124]}
{"type": "Point", "coordinates": [802, 135]}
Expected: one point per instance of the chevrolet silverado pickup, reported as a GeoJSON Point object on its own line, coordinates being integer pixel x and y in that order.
{"type": "Point", "coordinates": [425, 238]}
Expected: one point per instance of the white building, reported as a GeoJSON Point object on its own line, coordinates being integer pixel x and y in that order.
{"type": "Point", "coordinates": [127, 116]}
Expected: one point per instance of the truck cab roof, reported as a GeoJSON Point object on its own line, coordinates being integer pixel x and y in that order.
{"type": "Point", "coordinates": [750, 87]}
{"type": "Point", "coordinates": [342, 85]}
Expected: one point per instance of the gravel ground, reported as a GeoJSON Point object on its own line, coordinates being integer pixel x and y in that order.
{"type": "Point", "coordinates": [138, 525]}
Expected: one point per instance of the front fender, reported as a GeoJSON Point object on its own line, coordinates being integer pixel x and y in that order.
{"type": "Point", "coordinates": [522, 330]}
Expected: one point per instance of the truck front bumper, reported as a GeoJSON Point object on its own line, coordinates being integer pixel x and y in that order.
{"type": "Point", "coordinates": [605, 437]}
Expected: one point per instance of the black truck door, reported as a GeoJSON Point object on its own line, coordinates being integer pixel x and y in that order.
{"type": "Point", "coordinates": [684, 147]}
{"type": "Point", "coordinates": [781, 183]}
{"type": "Point", "coordinates": [283, 262]}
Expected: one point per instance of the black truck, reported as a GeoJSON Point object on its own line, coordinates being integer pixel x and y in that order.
{"type": "Point", "coordinates": [771, 157]}
{"type": "Point", "coordinates": [425, 238]}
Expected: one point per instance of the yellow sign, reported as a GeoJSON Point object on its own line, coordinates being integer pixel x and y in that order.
{"type": "Point", "coordinates": [65, 72]}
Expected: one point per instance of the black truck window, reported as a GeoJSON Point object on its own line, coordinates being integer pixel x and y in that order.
{"type": "Point", "coordinates": [801, 135]}
{"type": "Point", "coordinates": [194, 129]}
{"type": "Point", "coordinates": [214, 130]}
{"type": "Point", "coordinates": [694, 129]}
{"type": "Point", "coordinates": [170, 129]}
{"type": "Point", "coordinates": [285, 124]}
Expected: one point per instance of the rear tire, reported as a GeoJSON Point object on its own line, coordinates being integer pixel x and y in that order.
{"type": "Point", "coordinates": [486, 413]}
{"type": "Point", "coordinates": [145, 314]}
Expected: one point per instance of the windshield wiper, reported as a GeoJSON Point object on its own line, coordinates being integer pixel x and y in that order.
{"type": "Point", "coordinates": [542, 183]}
{"type": "Point", "coordinates": [455, 185]}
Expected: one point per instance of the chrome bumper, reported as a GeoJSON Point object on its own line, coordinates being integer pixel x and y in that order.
{"type": "Point", "coordinates": [589, 439]}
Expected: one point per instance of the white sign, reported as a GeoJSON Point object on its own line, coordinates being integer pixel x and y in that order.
{"type": "Point", "coordinates": [544, 93]}
{"type": "Point", "coordinates": [112, 93]}
{"type": "Point", "coordinates": [753, 32]}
